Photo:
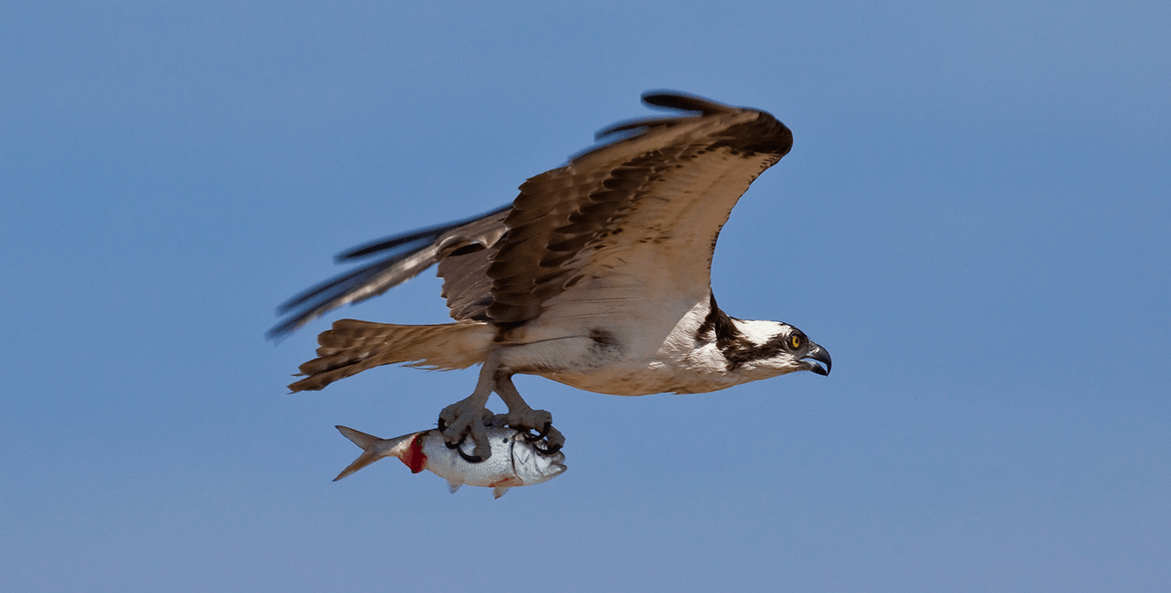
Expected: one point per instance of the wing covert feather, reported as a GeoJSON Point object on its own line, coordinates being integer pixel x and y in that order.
{"type": "Point", "coordinates": [652, 200]}
{"type": "Point", "coordinates": [634, 219]}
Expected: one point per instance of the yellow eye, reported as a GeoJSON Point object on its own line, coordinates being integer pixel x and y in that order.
{"type": "Point", "coordinates": [795, 341]}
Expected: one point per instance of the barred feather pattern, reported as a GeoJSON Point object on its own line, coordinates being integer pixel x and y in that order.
{"type": "Point", "coordinates": [352, 346]}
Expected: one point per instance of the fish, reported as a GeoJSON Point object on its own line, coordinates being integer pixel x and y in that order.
{"type": "Point", "coordinates": [515, 460]}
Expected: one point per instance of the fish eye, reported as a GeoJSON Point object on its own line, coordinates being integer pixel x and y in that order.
{"type": "Point", "coordinates": [795, 341]}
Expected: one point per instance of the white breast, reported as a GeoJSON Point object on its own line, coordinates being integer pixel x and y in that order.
{"type": "Point", "coordinates": [642, 358]}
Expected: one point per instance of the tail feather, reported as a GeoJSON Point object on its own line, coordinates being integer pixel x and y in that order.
{"type": "Point", "coordinates": [352, 346]}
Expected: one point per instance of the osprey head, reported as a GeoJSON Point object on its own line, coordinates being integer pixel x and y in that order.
{"type": "Point", "coordinates": [773, 348]}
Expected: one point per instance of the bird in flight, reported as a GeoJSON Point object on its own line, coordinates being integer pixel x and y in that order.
{"type": "Point", "coordinates": [598, 276]}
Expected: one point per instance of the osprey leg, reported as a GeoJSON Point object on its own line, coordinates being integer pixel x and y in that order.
{"type": "Point", "coordinates": [520, 416]}
{"type": "Point", "coordinates": [466, 417]}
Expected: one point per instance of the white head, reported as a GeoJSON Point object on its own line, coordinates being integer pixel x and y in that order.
{"type": "Point", "coordinates": [760, 349]}
{"type": "Point", "coordinates": [773, 348]}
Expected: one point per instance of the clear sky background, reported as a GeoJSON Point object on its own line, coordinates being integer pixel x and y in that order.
{"type": "Point", "coordinates": [974, 220]}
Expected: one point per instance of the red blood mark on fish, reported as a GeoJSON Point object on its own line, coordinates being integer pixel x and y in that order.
{"type": "Point", "coordinates": [414, 458]}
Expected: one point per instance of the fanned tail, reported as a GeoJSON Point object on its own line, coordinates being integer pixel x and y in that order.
{"type": "Point", "coordinates": [353, 346]}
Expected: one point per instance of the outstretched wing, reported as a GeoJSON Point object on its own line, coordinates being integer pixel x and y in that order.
{"type": "Point", "coordinates": [634, 221]}
{"type": "Point", "coordinates": [639, 214]}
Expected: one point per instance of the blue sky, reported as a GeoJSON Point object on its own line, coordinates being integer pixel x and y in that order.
{"type": "Point", "coordinates": [973, 220]}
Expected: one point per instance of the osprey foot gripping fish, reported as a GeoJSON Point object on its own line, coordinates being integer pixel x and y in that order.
{"type": "Point", "coordinates": [515, 459]}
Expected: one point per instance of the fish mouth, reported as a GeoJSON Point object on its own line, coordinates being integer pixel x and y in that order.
{"type": "Point", "coordinates": [819, 354]}
{"type": "Point", "coordinates": [554, 460]}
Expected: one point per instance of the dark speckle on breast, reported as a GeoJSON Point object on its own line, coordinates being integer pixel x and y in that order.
{"type": "Point", "coordinates": [603, 339]}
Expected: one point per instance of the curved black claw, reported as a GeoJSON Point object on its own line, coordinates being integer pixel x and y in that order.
{"type": "Point", "coordinates": [532, 438]}
{"type": "Point", "coordinates": [551, 450]}
{"type": "Point", "coordinates": [441, 426]}
{"type": "Point", "coordinates": [458, 446]}
{"type": "Point", "coordinates": [536, 439]}
{"type": "Point", "coordinates": [469, 458]}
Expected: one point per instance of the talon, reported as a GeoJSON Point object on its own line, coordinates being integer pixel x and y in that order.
{"type": "Point", "coordinates": [457, 444]}
{"type": "Point", "coordinates": [459, 422]}
{"type": "Point", "coordinates": [445, 426]}
{"type": "Point", "coordinates": [441, 426]}
{"type": "Point", "coordinates": [544, 432]}
{"type": "Point", "coordinates": [550, 450]}
{"type": "Point", "coordinates": [469, 458]}
{"type": "Point", "coordinates": [553, 444]}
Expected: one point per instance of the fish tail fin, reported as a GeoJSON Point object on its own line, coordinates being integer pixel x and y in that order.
{"type": "Point", "coordinates": [407, 448]}
{"type": "Point", "coordinates": [370, 450]}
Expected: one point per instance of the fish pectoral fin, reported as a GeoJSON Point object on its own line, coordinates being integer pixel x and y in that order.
{"type": "Point", "coordinates": [499, 491]}
{"type": "Point", "coordinates": [452, 486]}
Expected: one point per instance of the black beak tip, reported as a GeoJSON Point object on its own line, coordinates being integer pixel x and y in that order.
{"type": "Point", "coordinates": [820, 355]}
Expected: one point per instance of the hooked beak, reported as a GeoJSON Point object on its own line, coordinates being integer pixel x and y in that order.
{"type": "Point", "coordinates": [820, 355]}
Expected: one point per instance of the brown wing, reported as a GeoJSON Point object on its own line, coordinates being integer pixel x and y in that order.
{"type": "Point", "coordinates": [403, 257]}
{"type": "Point", "coordinates": [466, 285]}
{"type": "Point", "coordinates": [659, 193]}
{"type": "Point", "coordinates": [637, 218]}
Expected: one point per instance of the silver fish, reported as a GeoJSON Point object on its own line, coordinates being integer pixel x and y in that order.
{"type": "Point", "coordinates": [515, 461]}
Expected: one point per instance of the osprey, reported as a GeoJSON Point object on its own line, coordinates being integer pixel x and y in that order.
{"type": "Point", "coordinates": [596, 276]}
